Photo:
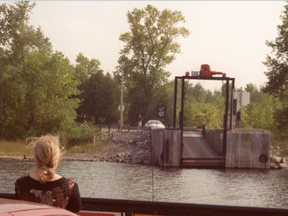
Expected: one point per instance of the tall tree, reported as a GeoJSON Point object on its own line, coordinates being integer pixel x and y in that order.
{"type": "Point", "coordinates": [36, 84]}
{"type": "Point", "coordinates": [260, 112]}
{"type": "Point", "coordinates": [17, 40]}
{"type": "Point", "coordinates": [98, 97]}
{"type": "Point", "coordinates": [52, 85]}
{"type": "Point", "coordinates": [277, 73]}
{"type": "Point", "coordinates": [85, 67]}
{"type": "Point", "coordinates": [152, 35]}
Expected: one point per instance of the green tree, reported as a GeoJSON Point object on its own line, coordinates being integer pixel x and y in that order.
{"type": "Point", "coordinates": [260, 112]}
{"type": "Point", "coordinates": [202, 107]}
{"type": "Point", "coordinates": [277, 73]}
{"type": "Point", "coordinates": [197, 91]}
{"type": "Point", "coordinates": [36, 84]}
{"type": "Point", "coordinates": [153, 36]}
{"type": "Point", "coordinates": [13, 19]}
{"type": "Point", "coordinates": [201, 113]}
{"type": "Point", "coordinates": [85, 67]}
{"type": "Point", "coordinates": [48, 98]}
{"type": "Point", "coordinates": [99, 98]}
{"type": "Point", "coordinates": [17, 41]}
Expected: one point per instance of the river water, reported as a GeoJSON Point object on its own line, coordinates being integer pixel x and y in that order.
{"type": "Point", "coordinates": [258, 188]}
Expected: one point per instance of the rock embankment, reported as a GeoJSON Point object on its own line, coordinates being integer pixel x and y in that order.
{"type": "Point", "coordinates": [126, 147]}
{"type": "Point", "coordinates": [276, 161]}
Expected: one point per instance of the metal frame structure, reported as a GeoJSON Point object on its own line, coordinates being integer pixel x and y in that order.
{"type": "Point", "coordinates": [181, 114]}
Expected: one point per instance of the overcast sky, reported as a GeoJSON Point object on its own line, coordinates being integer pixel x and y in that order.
{"type": "Point", "coordinates": [228, 35]}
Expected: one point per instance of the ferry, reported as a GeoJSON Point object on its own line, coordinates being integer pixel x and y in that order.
{"type": "Point", "coordinates": [120, 207]}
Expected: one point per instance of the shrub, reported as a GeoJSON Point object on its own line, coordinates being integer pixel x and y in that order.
{"type": "Point", "coordinates": [79, 134]}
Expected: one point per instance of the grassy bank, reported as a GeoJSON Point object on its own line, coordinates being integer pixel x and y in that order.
{"type": "Point", "coordinates": [20, 148]}
{"type": "Point", "coordinates": [15, 148]}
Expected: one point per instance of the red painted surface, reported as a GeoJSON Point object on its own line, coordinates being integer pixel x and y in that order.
{"type": "Point", "coordinates": [93, 213]}
{"type": "Point", "coordinates": [206, 72]}
{"type": "Point", "coordinates": [23, 208]}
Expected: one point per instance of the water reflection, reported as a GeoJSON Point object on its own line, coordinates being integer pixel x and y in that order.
{"type": "Point", "coordinates": [262, 188]}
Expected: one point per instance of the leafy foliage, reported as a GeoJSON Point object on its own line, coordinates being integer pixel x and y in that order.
{"type": "Point", "coordinates": [99, 92]}
{"type": "Point", "coordinates": [79, 134]}
{"type": "Point", "coordinates": [261, 110]}
{"type": "Point", "coordinates": [36, 84]}
{"type": "Point", "coordinates": [277, 73]}
{"type": "Point", "coordinates": [202, 107]}
{"type": "Point", "coordinates": [152, 36]}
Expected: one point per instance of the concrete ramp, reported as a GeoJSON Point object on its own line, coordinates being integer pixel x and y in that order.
{"type": "Point", "coordinates": [199, 153]}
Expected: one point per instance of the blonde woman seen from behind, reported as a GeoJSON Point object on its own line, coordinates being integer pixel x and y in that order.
{"type": "Point", "coordinates": [45, 185]}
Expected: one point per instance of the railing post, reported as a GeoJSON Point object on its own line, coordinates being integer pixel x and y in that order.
{"type": "Point", "coordinates": [203, 129]}
{"type": "Point", "coordinates": [128, 212]}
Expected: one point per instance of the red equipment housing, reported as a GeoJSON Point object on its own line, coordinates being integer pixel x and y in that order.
{"type": "Point", "coordinates": [206, 72]}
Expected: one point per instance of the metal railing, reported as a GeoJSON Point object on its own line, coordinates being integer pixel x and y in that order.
{"type": "Point", "coordinates": [132, 207]}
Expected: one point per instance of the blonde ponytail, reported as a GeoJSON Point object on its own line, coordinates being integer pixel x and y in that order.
{"type": "Point", "coordinates": [47, 155]}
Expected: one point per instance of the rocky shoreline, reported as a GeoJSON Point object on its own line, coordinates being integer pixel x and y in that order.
{"type": "Point", "coordinates": [276, 161]}
{"type": "Point", "coordinates": [135, 148]}
{"type": "Point", "coordinates": [126, 147]}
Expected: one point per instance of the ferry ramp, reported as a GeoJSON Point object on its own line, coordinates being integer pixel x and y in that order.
{"type": "Point", "coordinates": [199, 153]}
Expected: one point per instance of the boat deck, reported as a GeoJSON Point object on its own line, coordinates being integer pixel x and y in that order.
{"type": "Point", "coordinates": [118, 207]}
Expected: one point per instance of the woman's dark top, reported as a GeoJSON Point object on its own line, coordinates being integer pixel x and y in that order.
{"type": "Point", "coordinates": [62, 193]}
{"type": "Point", "coordinates": [140, 119]}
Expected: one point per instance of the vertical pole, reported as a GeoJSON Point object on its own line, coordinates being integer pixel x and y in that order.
{"type": "Point", "coordinates": [175, 102]}
{"type": "Point", "coordinates": [1, 108]}
{"type": "Point", "coordinates": [231, 102]}
{"type": "Point", "coordinates": [240, 121]}
{"type": "Point", "coordinates": [225, 118]}
{"type": "Point", "coordinates": [121, 102]}
{"type": "Point", "coordinates": [128, 212]}
{"type": "Point", "coordinates": [181, 117]}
